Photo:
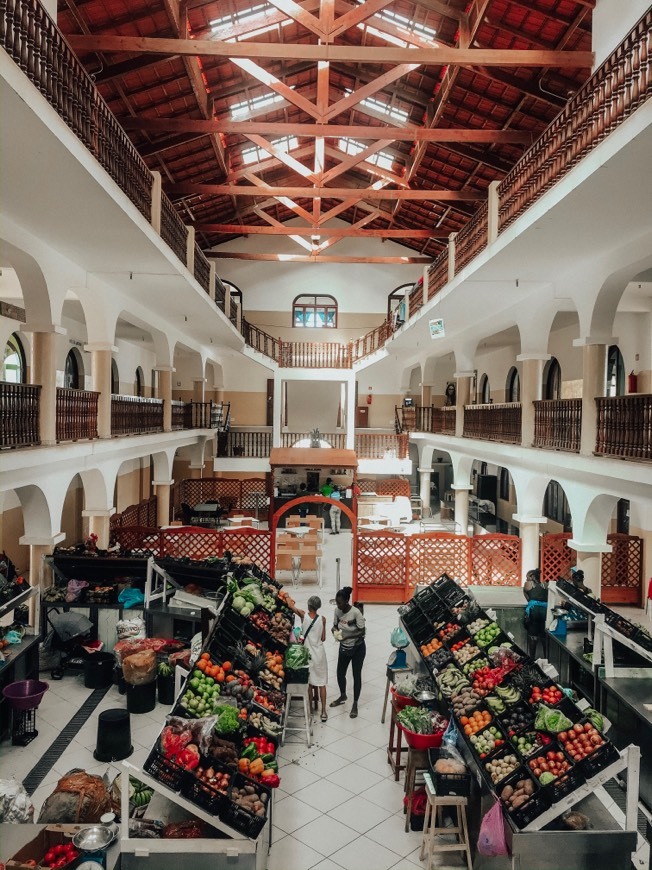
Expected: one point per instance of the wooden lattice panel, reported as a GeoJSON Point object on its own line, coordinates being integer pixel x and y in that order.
{"type": "Point", "coordinates": [622, 570]}
{"type": "Point", "coordinates": [192, 543]}
{"type": "Point", "coordinates": [392, 486]}
{"type": "Point", "coordinates": [557, 558]}
{"type": "Point", "coordinates": [435, 553]}
{"type": "Point", "coordinates": [495, 560]}
{"type": "Point", "coordinates": [137, 538]}
{"type": "Point", "coordinates": [382, 560]}
{"type": "Point", "coordinates": [253, 544]}
{"type": "Point", "coordinates": [253, 495]}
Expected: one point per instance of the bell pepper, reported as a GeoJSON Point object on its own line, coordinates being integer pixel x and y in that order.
{"type": "Point", "coordinates": [188, 759]}
{"type": "Point", "coordinates": [270, 748]}
{"type": "Point", "coordinates": [249, 752]}
{"type": "Point", "coordinates": [256, 767]}
{"type": "Point", "coordinates": [272, 780]}
{"type": "Point", "coordinates": [243, 765]}
{"type": "Point", "coordinates": [267, 757]}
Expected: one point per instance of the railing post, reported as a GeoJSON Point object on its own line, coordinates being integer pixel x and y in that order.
{"type": "Point", "coordinates": [451, 256]}
{"type": "Point", "coordinates": [190, 250]}
{"type": "Point", "coordinates": [157, 190]}
{"type": "Point", "coordinates": [101, 356]}
{"type": "Point", "coordinates": [493, 209]}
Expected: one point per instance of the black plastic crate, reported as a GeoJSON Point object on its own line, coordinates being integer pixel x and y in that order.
{"type": "Point", "coordinates": [164, 770]}
{"type": "Point", "coordinates": [547, 683]}
{"type": "Point", "coordinates": [23, 727]}
{"type": "Point", "coordinates": [597, 761]}
{"type": "Point", "coordinates": [204, 794]}
{"type": "Point", "coordinates": [502, 736]}
{"type": "Point", "coordinates": [301, 675]}
{"type": "Point", "coordinates": [501, 637]}
{"type": "Point", "coordinates": [425, 596]}
{"type": "Point", "coordinates": [620, 624]}
{"type": "Point", "coordinates": [239, 818]}
{"type": "Point", "coordinates": [538, 803]}
{"type": "Point", "coordinates": [499, 754]}
{"type": "Point", "coordinates": [438, 660]}
{"type": "Point", "coordinates": [256, 732]}
{"type": "Point", "coordinates": [565, 783]}
{"type": "Point", "coordinates": [643, 639]}
{"type": "Point", "coordinates": [511, 714]}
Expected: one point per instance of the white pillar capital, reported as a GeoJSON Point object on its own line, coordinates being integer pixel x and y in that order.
{"type": "Point", "coordinates": [199, 380]}
{"type": "Point", "coordinates": [461, 486]}
{"type": "Point", "coordinates": [589, 546]}
{"type": "Point", "coordinates": [52, 328]}
{"type": "Point", "coordinates": [463, 374]}
{"type": "Point", "coordinates": [162, 482]}
{"type": "Point", "coordinates": [524, 357]}
{"type": "Point", "coordinates": [164, 369]}
{"type": "Point", "coordinates": [42, 540]}
{"type": "Point", "coordinates": [100, 345]}
{"type": "Point", "coordinates": [98, 512]}
{"type": "Point", "coordinates": [595, 339]}
{"type": "Point", "coordinates": [524, 519]}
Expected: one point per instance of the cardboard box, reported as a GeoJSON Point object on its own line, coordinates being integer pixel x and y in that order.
{"type": "Point", "coordinates": [35, 850]}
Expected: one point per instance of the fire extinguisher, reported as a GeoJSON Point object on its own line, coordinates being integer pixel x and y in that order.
{"type": "Point", "coordinates": [369, 399]}
{"type": "Point", "coordinates": [632, 382]}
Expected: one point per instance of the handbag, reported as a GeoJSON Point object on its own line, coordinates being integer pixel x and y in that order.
{"type": "Point", "coordinates": [309, 627]}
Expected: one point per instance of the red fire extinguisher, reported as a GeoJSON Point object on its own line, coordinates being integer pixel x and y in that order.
{"type": "Point", "coordinates": [369, 399]}
{"type": "Point", "coordinates": [632, 382]}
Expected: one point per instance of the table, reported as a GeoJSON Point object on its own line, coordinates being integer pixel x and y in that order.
{"type": "Point", "coordinates": [241, 522]}
{"type": "Point", "coordinates": [209, 510]}
{"type": "Point", "coordinates": [298, 531]}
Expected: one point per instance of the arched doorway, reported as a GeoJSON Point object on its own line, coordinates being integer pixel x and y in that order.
{"type": "Point", "coordinates": [14, 363]}
{"type": "Point", "coordinates": [513, 386]}
{"type": "Point", "coordinates": [115, 378]}
{"type": "Point", "coordinates": [73, 374]}
{"type": "Point", "coordinates": [615, 372]}
{"type": "Point", "coordinates": [552, 380]}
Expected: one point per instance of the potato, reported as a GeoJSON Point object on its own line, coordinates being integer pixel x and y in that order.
{"type": "Point", "coordinates": [507, 792]}
{"type": "Point", "coordinates": [529, 787]}
{"type": "Point", "coordinates": [519, 801]}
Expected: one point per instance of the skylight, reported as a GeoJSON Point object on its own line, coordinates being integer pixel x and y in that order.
{"type": "Point", "coordinates": [383, 108]}
{"type": "Point", "coordinates": [254, 104]}
{"type": "Point", "coordinates": [242, 17]}
{"type": "Point", "coordinates": [409, 27]}
{"type": "Point", "coordinates": [254, 154]}
{"type": "Point", "coordinates": [381, 159]}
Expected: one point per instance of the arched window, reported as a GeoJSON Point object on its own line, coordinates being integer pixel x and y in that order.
{"type": "Point", "coordinates": [513, 386]}
{"type": "Point", "coordinates": [139, 383]}
{"type": "Point", "coordinates": [485, 390]}
{"type": "Point", "coordinates": [555, 505]}
{"type": "Point", "coordinates": [316, 312]}
{"type": "Point", "coordinates": [552, 380]}
{"type": "Point", "coordinates": [73, 375]}
{"type": "Point", "coordinates": [615, 372]}
{"type": "Point", "coordinates": [115, 378]}
{"type": "Point", "coordinates": [396, 303]}
{"type": "Point", "coordinates": [504, 483]}
{"type": "Point", "coordinates": [14, 365]}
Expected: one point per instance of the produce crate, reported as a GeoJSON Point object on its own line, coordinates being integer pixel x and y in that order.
{"type": "Point", "coordinates": [520, 707]}
{"type": "Point", "coordinates": [570, 709]}
{"type": "Point", "coordinates": [438, 660]}
{"type": "Point", "coordinates": [533, 736]}
{"type": "Point", "coordinates": [492, 759]}
{"type": "Point", "coordinates": [600, 759]}
{"type": "Point", "coordinates": [547, 683]}
{"type": "Point", "coordinates": [203, 794]}
{"type": "Point", "coordinates": [164, 770]}
{"type": "Point", "coordinates": [500, 638]}
{"type": "Point", "coordinates": [301, 675]}
{"type": "Point", "coordinates": [434, 610]}
{"type": "Point", "coordinates": [256, 732]}
{"type": "Point", "coordinates": [449, 592]}
{"type": "Point", "coordinates": [425, 596]}
{"type": "Point", "coordinates": [448, 783]}
{"type": "Point", "coordinates": [533, 808]}
{"type": "Point", "coordinates": [496, 749]}
{"type": "Point", "coordinates": [239, 818]}
{"type": "Point", "coordinates": [564, 784]}
{"type": "Point", "coordinates": [620, 624]}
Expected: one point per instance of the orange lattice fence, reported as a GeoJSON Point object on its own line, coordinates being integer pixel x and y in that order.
{"type": "Point", "coordinates": [495, 560]}
{"type": "Point", "coordinates": [392, 486]}
{"type": "Point", "coordinates": [192, 543]}
{"type": "Point", "coordinates": [137, 538]}
{"type": "Point", "coordinates": [557, 558]}
{"type": "Point", "coordinates": [253, 497]}
{"type": "Point", "coordinates": [381, 563]}
{"type": "Point", "coordinates": [435, 553]}
{"type": "Point", "coordinates": [622, 570]}
{"type": "Point", "coordinates": [253, 544]}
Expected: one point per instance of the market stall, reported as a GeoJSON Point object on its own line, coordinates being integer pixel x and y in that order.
{"type": "Point", "coordinates": [526, 742]}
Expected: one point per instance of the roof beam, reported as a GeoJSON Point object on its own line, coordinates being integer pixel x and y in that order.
{"type": "Point", "coordinates": [277, 86]}
{"type": "Point", "coordinates": [189, 188]}
{"type": "Point", "coordinates": [297, 13]}
{"type": "Point", "coordinates": [369, 89]}
{"type": "Point", "coordinates": [277, 229]}
{"type": "Point", "coordinates": [312, 258]}
{"type": "Point", "coordinates": [328, 131]}
{"type": "Point", "coordinates": [438, 56]}
{"type": "Point", "coordinates": [356, 15]}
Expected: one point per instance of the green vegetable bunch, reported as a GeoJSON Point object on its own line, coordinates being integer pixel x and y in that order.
{"type": "Point", "coordinates": [551, 720]}
{"type": "Point", "coordinates": [297, 656]}
{"type": "Point", "coordinates": [416, 719]}
{"type": "Point", "coordinates": [227, 719]}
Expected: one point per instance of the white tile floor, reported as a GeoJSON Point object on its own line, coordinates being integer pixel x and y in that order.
{"type": "Point", "coordinates": [338, 805]}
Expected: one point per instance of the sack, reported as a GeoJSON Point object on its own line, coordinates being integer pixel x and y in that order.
{"type": "Point", "coordinates": [140, 668]}
{"type": "Point", "coordinates": [134, 627]}
{"type": "Point", "coordinates": [74, 590]}
{"type": "Point", "coordinates": [491, 839]}
{"type": "Point", "coordinates": [78, 798]}
{"type": "Point", "coordinates": [130, 597]}
{"type": "Point", "coordinates": [15, 804]}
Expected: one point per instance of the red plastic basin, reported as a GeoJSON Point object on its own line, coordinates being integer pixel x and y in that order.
{"type": "Point", "coordinates": [401, 701]}
{"type": "Point", "coordinates": [421, 741]}
{"type": "Point", "coordinates": [25, 694]}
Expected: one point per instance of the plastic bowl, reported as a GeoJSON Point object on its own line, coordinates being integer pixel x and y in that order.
{"type": "Point", "coordinates": [25, 694]}
{"type": "Point", "coordinates": [401, 701]}
{"type": "Point", "coordinates": [422, 741]}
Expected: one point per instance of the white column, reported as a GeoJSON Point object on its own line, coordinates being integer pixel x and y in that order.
{"type": "Point", "coordinates": [43, 371]}
{"type": "Point", "coordinates": [531, 385]}
{"type": "Point", "coordinates": [157, 191]}
{"type": "Point", "coordinates": [493, 217]}
{"type": "Point", "coordinates": [99, 524]}
{"type": "Point", "coordinates": [462, 397]}
{"type": "Point", "coordinates": [589, 561]}
{"type": "Point", "coordinates": [594, 369]}
{"type": "Point", "coordinates": [451, 256]}
{"type": "Point", "coordinates": [162, 490]}
{"type": "Point", "coordinates": [101, 356]}
{"type": "Point", "coordinates": [424, 491]}
{"type": "Point", "coordinates": [350, 412]}
{"type": "Point", "coordinates": [164, 392]}
{"type": "Point", "coordinates": [528, 531]}
{"type": "Point", "coordinates": [461, 491]}
{"type": "Point", "coordinates": [39, 546]}
{"type": "Point", "coordinates": [278, 409]}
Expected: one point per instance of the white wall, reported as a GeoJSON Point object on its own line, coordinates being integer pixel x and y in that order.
{"type": "Point", "coordinates": [612, 21]}
{"type": "Point", "coordinates": [312, 404]}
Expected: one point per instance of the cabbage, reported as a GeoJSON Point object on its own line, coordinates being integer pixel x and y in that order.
{"type": "Point", "coordinates": [297, 656]}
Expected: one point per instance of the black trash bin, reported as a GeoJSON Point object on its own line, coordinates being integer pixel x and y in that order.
{"type": "Point", "coordinates": [113, 735]}
{"type": "Point", "coordinates": [141, 699]}
{"type": "Point", "coordinates": [98, 670]}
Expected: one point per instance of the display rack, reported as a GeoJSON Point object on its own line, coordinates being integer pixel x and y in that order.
{"type": "Point", "coordinates": [20, 659]}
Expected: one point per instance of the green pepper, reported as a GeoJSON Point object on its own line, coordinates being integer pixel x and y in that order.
{"type": "Point", "coordinates": [250, 752]}
{"type": "Point", "coordinates": [271, 765]}
{"type": "Point", "coordinates": [268, 759]}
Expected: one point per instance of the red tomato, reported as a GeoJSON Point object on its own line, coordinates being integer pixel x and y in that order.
{"type": "Point", "coordinates": [50, 857]}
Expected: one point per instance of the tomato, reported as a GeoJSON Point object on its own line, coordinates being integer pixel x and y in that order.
{"type": "Point", "coordinates": [50, 857]}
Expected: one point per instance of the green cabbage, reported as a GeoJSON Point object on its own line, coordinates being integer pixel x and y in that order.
{"type": "Point", "coordinates": [551, 720]}
{"type": "Point", "coordinates": [297, 656]}
{"type": "Point", "coordinates": [227, 719]}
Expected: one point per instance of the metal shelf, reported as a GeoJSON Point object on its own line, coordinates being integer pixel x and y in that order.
{"type": "Point", "coordinates": [28, 593]}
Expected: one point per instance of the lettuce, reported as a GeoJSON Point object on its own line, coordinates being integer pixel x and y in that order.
{"type": "Point", "coordinates": [297, 656]}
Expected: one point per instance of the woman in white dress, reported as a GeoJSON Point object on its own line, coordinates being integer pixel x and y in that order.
{"type": "Point", "coordinates": [313, 631]}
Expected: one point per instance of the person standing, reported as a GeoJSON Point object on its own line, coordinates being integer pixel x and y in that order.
{"type": "Point", "coordinates": [335, 512]}
{"type": "Point", "coordinates": [313, 630]}
{"type": "Point", "coordinates": [349, 629]}
{"type": "Point", "coordinates": [536, 593]}
{"type": "Point", "coordinates": [327, 488]}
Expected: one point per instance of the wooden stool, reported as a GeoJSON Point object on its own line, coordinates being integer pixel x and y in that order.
{"type": "Point", "coordinates": [434, 810]}
{"type": "Point", "coordinates": [395, 749]}
{"type": "Point", "coordinates": [417, 760]}
{"type": "Point", "coordinates": [391, 676]}
{"type": "Point", "coordinates": [301, 691]}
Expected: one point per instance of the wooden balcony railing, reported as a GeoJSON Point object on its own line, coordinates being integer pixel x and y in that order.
{"type": "Point", "coordinates": [415, 299]}
{"type": "Point", "coordinates": [614, 91]}
{"type": "Point", "coordinates": [472, 238]}
{"type": "Point", "coordinates": [372, 341]}
{"type": "Point", "coordinates": [376, 445]}
{"type": "Point", "coordinates": [443, 420]}
{"type": "Point", "coordinates": [438, 274]}
{"type": "Point", "coordinates": [202, 269]}
{"type": "Point", "coordinates": [220, 294]}
{"type": "Point", "coordinates": [173, 229]}
{"type": "Point", "coordinates": [257, 445]}
{"type": "Point", "coordinates": [625, 427]}
{"type": "Point", "coordinates": [133, 415]}
{"type": "Point", "coordinates": [558, 424]}
{"type": "Point", "coordinates": [19, 414]}
{"type": "Point", "coordinates": [33, 41]}
{"type": "Point", "coordinates": [334, 439]}
{"type": "Point", "coordinates": [260, 341]}
{"type": "Point", "coordinates": [76, 415]}
{"type": "Point", "coordinates": [493, 422]}
{"type": "Point", "coordinates": [314, 355]}
{"type": "Point", "coordinates": [178, 415]}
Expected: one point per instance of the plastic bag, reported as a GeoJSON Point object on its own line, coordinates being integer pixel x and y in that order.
{"type": "Point", "coordinates": [491, 839]}
{"type": "Point", "coordinates": [448, 753]}
{"type": "Point", "coordinates": [140, 667]}
{"type": "Point", "coordinates": [74, 590]}
{"type": "Point", "coordinates": [15, 804]}
{"type": "Point", "coordinates": [130, 597]}
{"type": "Point", "coordinates": [450, 734]}
{"type": "Point", "coordinates": [398, 639]}
{"type": "Point", "coordinates": [130, 628]}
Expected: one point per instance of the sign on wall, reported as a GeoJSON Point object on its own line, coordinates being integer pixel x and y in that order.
{"type": "Point", "coordinates": [437, 328]}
